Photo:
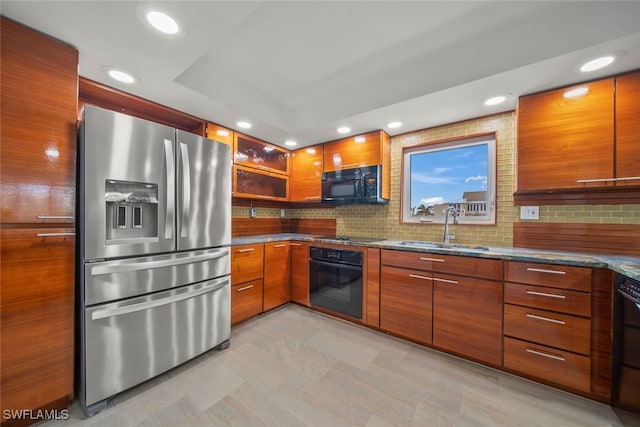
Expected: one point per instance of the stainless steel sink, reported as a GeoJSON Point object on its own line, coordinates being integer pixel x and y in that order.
{"type": "Point", "coordinates": [427, 245]}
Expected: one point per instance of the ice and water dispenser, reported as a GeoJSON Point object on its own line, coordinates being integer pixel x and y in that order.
{"type": "Point", "coordinates": [132, 210]}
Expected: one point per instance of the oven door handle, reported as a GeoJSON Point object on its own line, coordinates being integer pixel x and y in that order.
{"type": "Point", "coordinates": [629, 297]}
{"type": "Point", "coordinates": [103, 314]}
{"type": "Point", "coordinates": [336, 265]}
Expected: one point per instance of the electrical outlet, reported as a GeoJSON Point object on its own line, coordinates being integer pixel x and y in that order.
{"type": "Point", "coordinates": [529, 212]}
{"type": "Point", "coordinates": [281, 213]}
{"type": "Point", "coordinates": [253, 212]}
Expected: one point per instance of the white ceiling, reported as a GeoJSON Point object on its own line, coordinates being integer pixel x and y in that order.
{"type": "Point", "coordinates": [299, 69]}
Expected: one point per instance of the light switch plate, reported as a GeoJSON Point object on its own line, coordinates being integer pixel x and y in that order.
{"type": "Point", "coordinates": [529, 212]}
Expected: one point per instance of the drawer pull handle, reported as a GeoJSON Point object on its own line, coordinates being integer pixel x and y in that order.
{"type": "Point", "coordinates": [312, 198]}
{"type": "Point", "coordinates": [624, 178]}
{"type": "Point", "coordinates": [431, 259]}
{"type": "Point", "coordinates": [55, 234]}
{"type": "Point", "coordinates": [544, 294]}
{"type": "Point", "coordinates": [246, 250]}
{"type": "Point", "coordinates": [541, 270]}
{"type": "Point", "coordinates": [453, 282]}
{"type": "Point", "coordinates": [417, 276]}
{"type": "Point", "coordinates": [56, 217]}
{"type": "Point", "coordinates": [280, 246]}
{"type": "Point", "coordinates": [546, 319]}
{"type": "Point", "coordinates": [550, 356]}
{"type": "Point", "coordinates": [295, 244]}
{"type": "Point", "coordinates": [244, 288]}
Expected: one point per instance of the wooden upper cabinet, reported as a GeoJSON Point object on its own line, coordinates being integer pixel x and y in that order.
{"type": "Point", "coordinates": [354, 152]}
{"type": "Point", "coordinates": [220, 134]}
{"type": "Point", "coordinates": [306, 175]}
{"type": "Point", "coordinates": [564, 141]}
{"type": "Point", "coordinates": [39, 114]}
{"type": "Point", "coordinates": [628, 129]}
{"type": "Point", "coordinates": [257, 154]}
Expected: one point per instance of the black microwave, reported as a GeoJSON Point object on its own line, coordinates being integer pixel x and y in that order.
{"type": "Point", "coordinates": [353, 186]}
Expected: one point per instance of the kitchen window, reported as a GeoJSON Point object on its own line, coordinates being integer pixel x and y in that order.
{"type": "Point", "coordinates": [459, 173]}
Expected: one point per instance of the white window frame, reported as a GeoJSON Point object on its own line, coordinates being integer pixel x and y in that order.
{"type": "Point", "coordinates": [407, 152]}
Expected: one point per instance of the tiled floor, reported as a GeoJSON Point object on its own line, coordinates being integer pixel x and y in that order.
{"type": "Point", "coordinates": [295, 367]}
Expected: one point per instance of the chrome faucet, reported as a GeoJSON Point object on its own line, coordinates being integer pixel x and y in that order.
{"type": "Point", "coordinates": [454, 213]}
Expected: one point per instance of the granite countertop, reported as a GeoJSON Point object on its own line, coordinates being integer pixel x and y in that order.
{"type": "Point", "coordinates": [626, 265]}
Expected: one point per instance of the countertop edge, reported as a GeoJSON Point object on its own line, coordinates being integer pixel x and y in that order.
{"type": "Point", "coordinates": [626, 265]}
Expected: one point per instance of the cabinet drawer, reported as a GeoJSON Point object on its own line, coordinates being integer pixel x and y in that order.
{"type": "Point", "coordinates": [468, 266]}
{"type": "Point", "coordinates": [246, 263]}
{"type": "Point", "coordinates": [246, 300]}
{"type": "Point", "coordinates": [557, 330]}
{"type": "Point", "coordinates": [553, 276]}
{"type": "Point", "coordinates": [560, 367]}
{"type": "Point", "coordinates": [554, 299]}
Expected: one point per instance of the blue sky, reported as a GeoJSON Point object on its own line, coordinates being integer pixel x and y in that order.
{"type": "Point", "coordinates": [443, 176]}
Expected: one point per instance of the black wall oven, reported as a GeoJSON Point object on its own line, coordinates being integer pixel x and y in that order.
{"type": "Point", "coordinates": [335, 280]}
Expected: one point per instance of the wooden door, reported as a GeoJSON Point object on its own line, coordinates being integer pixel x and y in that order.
{"type": "Point", "coordinates": [467, 317]}
{"type": "Point", "coordinates": [628, 129]}
{"type": "Point", "coordinates": [306, 175]}
{"type": "Point", "coordinates": [300, 273]}
{"type": "Point", "coordinates": [277, 274]}
{"type": "Point", "coordinates": [406, 298]}
{"type": "Point", "coordinates": [562, 141]}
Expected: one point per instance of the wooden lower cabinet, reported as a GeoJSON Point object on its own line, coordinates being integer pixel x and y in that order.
{"type": "Point", "coordinates": [405, 303]}
{"type": "Point", "coordinates": [551, 364]}
{"type": "Point", "coordinates": [246, 300]}
{"type": "Point", "coordinates": [277, 274]}
{"type": "Point", "coordinates": [300, 273]}
{"type": "Point", "coordinates": [467, 317]}
{"type": "Point", "coordinates": [37, 306]}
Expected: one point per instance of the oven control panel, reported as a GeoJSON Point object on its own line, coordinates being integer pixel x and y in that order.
{"type": "Point", "coordinates": [629, 288]}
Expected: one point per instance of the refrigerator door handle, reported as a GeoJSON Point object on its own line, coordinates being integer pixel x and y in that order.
{"type": "Point", "coordinates": [186, 190]}
{"type": "Point", "coordinates": [103, 314]}
{"type": "Point", "coordinates": [147, 265]}
{"type": "Point", "coordinates": [170, 192]}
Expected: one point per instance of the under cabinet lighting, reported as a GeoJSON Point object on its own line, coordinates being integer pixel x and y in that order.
{"type": "Point", "coordinates": [576, 92]}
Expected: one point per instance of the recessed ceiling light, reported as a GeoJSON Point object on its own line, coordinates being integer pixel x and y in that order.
{"type": "Point", "coordinates": [576, 92]}
{"type": "Point", "coordinates": [495, 100]}
{"type": "Point", "coordinates": [360, 139]}
{"type": "Point", "coordinates": [596, 64]}
{"type": "Point", "coordinates": [394, 125]}
{"type": "Point", "coordinates": [244, 125]}
{"type": "Point", "coordinates": [344, 129]}
{"type": "Point", "coordinates": [162, 22]}
{"type": "Point", "coordinates": [290, 143]}
{"type": "Point", "coordinates": [121, 76]}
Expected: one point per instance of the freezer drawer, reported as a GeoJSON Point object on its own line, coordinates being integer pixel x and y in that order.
{"type": "Point", "coordinates": [119, 279]}
{"type": "Point", "coordinates": [128, 342]}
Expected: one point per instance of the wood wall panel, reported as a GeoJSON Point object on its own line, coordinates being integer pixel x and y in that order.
{"type": "Point", "coordinates": [601, 334]}
{"type": "Point", "coordinates": [254, 226]}
{"type": "Point", "coordinates": [622, 239]}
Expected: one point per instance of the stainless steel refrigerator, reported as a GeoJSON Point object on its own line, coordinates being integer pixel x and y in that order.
{"type": "Point", "coordinates": [154, 233]}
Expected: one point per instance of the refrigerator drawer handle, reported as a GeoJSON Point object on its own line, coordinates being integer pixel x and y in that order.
{"type": "Point", "coordinates": [186, 190]}
{"type": "Point", "coordinates": [170, 188]}
{"type": "Point", "coordinates": [147, 265]}
{"type": "Point", "coordinates": [103, 314]}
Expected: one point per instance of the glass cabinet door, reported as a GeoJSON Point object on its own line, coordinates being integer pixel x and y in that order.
{"type": "Point", "coordinates": [254, 153]}
{"type": "Point", "coordinates": [256, 184]}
